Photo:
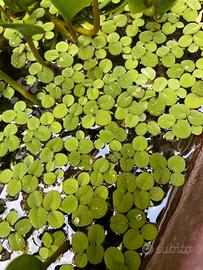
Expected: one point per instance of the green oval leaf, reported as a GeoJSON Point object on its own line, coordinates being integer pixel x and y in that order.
{"type": "Point", "coordinates": [26, 262]}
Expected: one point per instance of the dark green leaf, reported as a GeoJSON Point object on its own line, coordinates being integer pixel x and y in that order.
{"type": "Point", "coordinates": [162, 6]}
{"type": "Point", "coordinates": [27, 30]}
{"type": "Point", "coordinates": [18, 5]}
{"type": "Point", "coordinates": [136, 6]}
{"type": "Point", "coordinates": [26, 262]}
{"type": "Point", "coordinates": [69, 9]}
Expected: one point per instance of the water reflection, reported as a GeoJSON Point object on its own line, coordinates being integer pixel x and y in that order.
{"type": "Point", "coordinates": [154, 211]}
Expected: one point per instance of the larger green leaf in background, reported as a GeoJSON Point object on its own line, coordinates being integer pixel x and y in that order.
{"type": "Point", "coordinates": [70, 8]}
{"type": "Point", "coordinates": [18, 5]}
{"type": "Point", "coordinates": [162, 6]}
{"type": "Point", "coordinates": [136, 6]}
{"type": "Point", "coordinates": [26, 262]}
{"type": "Point", "coordinates": [27, 30]}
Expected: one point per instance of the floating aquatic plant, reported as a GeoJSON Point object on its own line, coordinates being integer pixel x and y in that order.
{"type": "Point", "coordinates": [86, 159]}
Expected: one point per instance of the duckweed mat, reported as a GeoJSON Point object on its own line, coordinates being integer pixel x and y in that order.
{"type": "Point", "coordinates": [109, 135]}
